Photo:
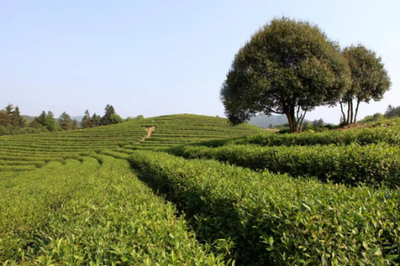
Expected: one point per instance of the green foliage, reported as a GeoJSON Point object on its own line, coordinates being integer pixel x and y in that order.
{"type": "Point", "coordinates": [392, 111]}
{"type": "Point", "coordinates": [369, 78]}
{"type": "Point", "coordinates": [11, 121]}
{"type": "Point", "coordinates": [45, 120]}
{"type": "Point", "coordinates": [170, 131]}
{"type": "Point", "coordinates": [352, 165]}
{"type": "Point", "coordinates": [288, 67]}
{"type": "Point", "coordinates": [372, 118]}
{"type": "Point", "coordinates": [41, 119]}
{"type": "Point", "coordinates": [106, 119]}
{"type": "Point", "coordinates": [86, 120]}
{"type": "Point", "coordinates": [16, 119]}
{"type": "Point", "coordinates": [318, 123]}
{"type": "Point", "coordinates": [50, 122]}
{"type": "Point", "coordinates": [116, 119]}
{"type": "Point", "coordinates": [363, 136]}
{"type": "Point", "coordinates": [95, 120]}
{"type": "Point", "coordinates": [82, 213]}
{"type": "Point", "coordinates": [64, 200]}
{"type": "Point", "coordinates": [75, 124]}
{"type": "Point", "coordinates": [275, 219]}
{"type": "Point", "coordinates": [65, 121]}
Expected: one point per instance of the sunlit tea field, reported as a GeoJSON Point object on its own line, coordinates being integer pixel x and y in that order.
{"type": "Point", "coordinates": [199, 191]}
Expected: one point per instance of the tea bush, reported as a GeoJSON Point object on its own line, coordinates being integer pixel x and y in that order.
{"type": "Point", "coordinates": [275, 219]}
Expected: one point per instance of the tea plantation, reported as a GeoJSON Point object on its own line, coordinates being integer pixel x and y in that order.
{"type": "Point", "coordinates": [201, 193]}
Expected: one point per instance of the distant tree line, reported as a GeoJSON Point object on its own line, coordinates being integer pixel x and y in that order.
{"type": "Point", "coordinates": [391, 112]}
{"type": "Point", "coordinates": [12, 122]}
{"type": "Point", "coordinates": [316, 125]}
{"type": "Point", "coordinates": [109, 118]}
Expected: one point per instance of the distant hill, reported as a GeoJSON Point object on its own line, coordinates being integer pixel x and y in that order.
{"type": "Point", "coordinates": [265, 121]}
{"type": "Point", "coordinates": [28, 118]}
{"type": "Point", "coordinates": [78, 118]}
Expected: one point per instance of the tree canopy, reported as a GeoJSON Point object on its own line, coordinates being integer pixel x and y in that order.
{"type": "Point", "coordinates": [110, 117]}
{"type": "Point", "coordinates": [86, 120]}
{"type": "Point", "coordinates": [65, 121]}
{"type": "Point", "coordinates": [11, 117]}
{"type": "Point", "coordinates": [288, 67]}
{"type": "Point", "coordinates": [392, 111]}
{"type": "Point", "coordinates": [106, 119]}
{"type": "Point", "coordinates": [45, 120]}
{"type": "Point", "coordinates": [369, 79]}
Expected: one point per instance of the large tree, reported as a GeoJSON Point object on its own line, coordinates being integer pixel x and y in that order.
{"type": "Point", "coordinates": [288, 67]}
{"type": "Point", "coordinates": [369, 78]}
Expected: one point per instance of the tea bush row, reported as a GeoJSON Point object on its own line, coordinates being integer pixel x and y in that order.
{"type": "Point", "coordinates": [270, 219]}
{"type": "Point", "coordinates": [352, 164]}
{"type": "Point", "coordinates": [390, 135]}
{"type": "Point", "coordinates": [84, 214]}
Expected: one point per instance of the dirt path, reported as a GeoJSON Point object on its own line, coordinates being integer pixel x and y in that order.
{"type": "Point", "coordinates": [149, 132]}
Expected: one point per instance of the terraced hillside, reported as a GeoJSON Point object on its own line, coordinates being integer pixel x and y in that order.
{"type": "Point", "coordinates": [234, 195]}
{"type": "Point", "coordinates": [28, 152]}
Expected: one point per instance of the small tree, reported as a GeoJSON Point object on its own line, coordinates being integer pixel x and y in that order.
{"type": "Point", "coordinates": [50, 122]}
{"type": "Point", "coordinates": [96, 120]}
{"type": "Point", "coordinates": [116, 119]}
{"type": "Point", "coordinates": [75, 124]}
{"type": "Point", "coordinates": [86, 120]}
{"type": "Point", "coordinates": [16, 118]}
{"type": "Point", "coordinates": [318, 123]}
{"type": "Point", "coordinates": [288, 67]}
{"type": "Point", "coordinates": [392, 111]}
{"type": "Point", "coordinates": [106, 119]}
{"type": "Point", "coordinates": [369, 78]}
{"type": "Point", "coordinates": [4, 118]}
{"type": "Point", "coordinates": [9, 108]}
{"type": "Point", "coordinates": [65, 121]}
{"type": "Point", "coordinates": [11, 116]}
{"type": "Point", "coordinates": [41, 119]}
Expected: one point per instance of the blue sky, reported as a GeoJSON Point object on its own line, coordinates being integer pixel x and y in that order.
{"type": "Point", "coordinates": [163, 57]}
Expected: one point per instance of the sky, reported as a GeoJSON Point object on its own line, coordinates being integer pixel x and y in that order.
{"type": "Point", "coordinates": [159, 57]}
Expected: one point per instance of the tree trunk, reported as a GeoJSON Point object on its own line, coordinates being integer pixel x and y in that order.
{"type": "Point", "coordinates": [300, 120]}
{"type": "Point", "coordinates": [352, 113]}
{"type": "Point", "coordinates": [355, 115]}
{"type": "Point", "coordinates": [348, 113]}
{"type": "Point", "coordinates": [292, 121]}
{"type": "Point", "coordinates": [343, 115]}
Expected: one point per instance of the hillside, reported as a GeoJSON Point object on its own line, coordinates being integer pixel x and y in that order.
{"type": "Point", "coordinates": [171, 130]}
{"type": "Point", "coordinates": [259, 198]}
{"type": "Point", "coordinates": [28, 118]}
